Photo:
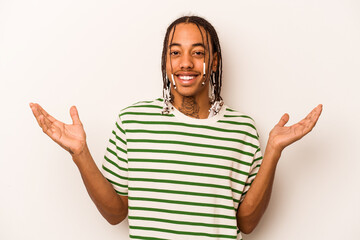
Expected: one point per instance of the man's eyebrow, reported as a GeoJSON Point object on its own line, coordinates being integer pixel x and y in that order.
{"type": "Point", "coordinates": [194, 45]}
{"type": "Point", "coordinates": [198, 45]}
{"type": "Point", "coordinates": [174, 44]}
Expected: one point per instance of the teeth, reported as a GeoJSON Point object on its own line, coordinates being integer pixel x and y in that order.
{"type": "Point", "coordinates": [186, 77]}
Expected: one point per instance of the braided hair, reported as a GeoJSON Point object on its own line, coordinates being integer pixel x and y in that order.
{"type": "Point", "coordinates": [216, 77]}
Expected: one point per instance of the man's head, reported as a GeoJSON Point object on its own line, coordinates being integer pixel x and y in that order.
{"type": "Point", "coordinates": [191, 57]}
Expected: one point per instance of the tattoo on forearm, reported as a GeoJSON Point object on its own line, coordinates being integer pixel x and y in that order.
{"type": "Point", "coordinates": [189, 107]}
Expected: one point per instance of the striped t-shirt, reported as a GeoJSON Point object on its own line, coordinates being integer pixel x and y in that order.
{"type": "Point", "coordinates": [184, 177]}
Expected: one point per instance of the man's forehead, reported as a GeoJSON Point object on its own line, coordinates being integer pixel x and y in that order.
{"type": "Point", "coordinates": [187, 33]}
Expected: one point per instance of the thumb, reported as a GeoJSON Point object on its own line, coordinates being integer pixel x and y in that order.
{"type": "Point", "coordinates": [74, 115]}
{"type": "Point", "coordinates": [284, 119]}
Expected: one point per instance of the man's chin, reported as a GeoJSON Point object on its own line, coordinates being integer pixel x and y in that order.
{"type": "Point", "coordinates": [187, 91]}
{"type": "Point", "coordinates": [186, 94]}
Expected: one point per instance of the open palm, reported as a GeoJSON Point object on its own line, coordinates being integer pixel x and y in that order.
{"type": "Point", "coordinates": [71, 137]}
{"type": "Point", "coordinates": [282, 136]}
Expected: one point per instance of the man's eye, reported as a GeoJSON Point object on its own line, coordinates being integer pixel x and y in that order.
{"type": "Point", "coordinates": [198, 53]}
{"type": "Point", "coordinates": [174, 53]}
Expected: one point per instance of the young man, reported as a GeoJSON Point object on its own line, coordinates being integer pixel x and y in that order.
{"type": "Point", "coordinates": [181, 166]}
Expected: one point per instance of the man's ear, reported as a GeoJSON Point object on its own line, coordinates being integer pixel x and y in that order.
{"type": "Point", "coordinates": [215, 62]}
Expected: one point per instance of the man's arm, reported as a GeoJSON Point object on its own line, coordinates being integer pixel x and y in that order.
{"type": "Point", "coordinates": [257, 198]}
{"type": "Point", "coordinates": [72, 138]}
{"type": "Point", "coordinates": [112, 206]}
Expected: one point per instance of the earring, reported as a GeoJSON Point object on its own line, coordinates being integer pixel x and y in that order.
{"type": "Point", "coordinates": [204, 73]}
{"type": "Point", "coordinates": [212, 87]}
{"type": "Point", "coordinates": [215, 108]}
{"type": "Point", "coordinates": [167, 97]}
{"type": "Point", "coordinates": [215, 105]}
{"type": "Point", "coordinates": [172, 77]}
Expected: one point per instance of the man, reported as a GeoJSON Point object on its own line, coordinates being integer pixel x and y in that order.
{"type": "Point", "coordinates": [181, 166]}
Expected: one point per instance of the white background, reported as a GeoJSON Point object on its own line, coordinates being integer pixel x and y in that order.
{"type": "Point", "coordinates": [278, 56]}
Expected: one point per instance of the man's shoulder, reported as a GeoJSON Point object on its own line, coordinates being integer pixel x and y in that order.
{"type": "Point", "coordinates": [234, 114]}
{"type": "Point", "coordinates": [144, 107]}
{"type": "Point", "coordinates": [239, 120]}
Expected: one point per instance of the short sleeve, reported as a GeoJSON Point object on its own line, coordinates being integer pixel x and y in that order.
{"type": "Point", "coordinates": [115, 163]}
{"type": "Point", "coordinates": [254, 169]}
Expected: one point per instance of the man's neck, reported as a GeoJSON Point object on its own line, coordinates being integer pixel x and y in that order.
{"type": "Point", "coordinates": [192, 107]}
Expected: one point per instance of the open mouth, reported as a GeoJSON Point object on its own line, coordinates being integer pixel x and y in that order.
{"type": "Point", "coordinates": [186, 77]}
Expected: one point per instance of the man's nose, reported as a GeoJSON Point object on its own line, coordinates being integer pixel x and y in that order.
{"type": "Point", "coordinates": [186, 62]}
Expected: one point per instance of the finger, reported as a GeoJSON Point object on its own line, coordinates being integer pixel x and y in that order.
{"type": "Point", "coordinates": [320, 108]}
{"type": "Point", "coordinates": [284, 119]}
{"type": "Point", "coordinates": [48, 116]}
{"type": "Point", "coordinates": [40, 118]}
{"type": "Point", "coordinates": [74, 115]}
{"type": "Point", "coordinates": [317, 114]}
{"type": "Point", "coordinates": [310, 121]}
{"type": "Point", "coordinates": [39, 111]}
{"type": "Point", "coordinates": [36, 113]}
{"type": "Point", "coordinates": [314, 115]}
{"type": "Point", "coordinates": [45, 125]}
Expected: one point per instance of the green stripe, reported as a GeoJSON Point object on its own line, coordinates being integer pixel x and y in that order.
{"type": "Point", "coordinates": [238, 123]}
{"type": "Point", "coordinates": [118, 127]}
{"type": "Point", "coordinates": [243, 116]}
{"type": "Point", "coordinates": [117, 184]}
{"type": "Point", "coordinates": [150, 101]}
{"type": "Point", "coordinates": [230, 110]}
{"type": "Point", "coordinates": [252, 175]}
{"type": "Point", "coordinates": [115, 154]}
{"type": "Point", "coordinates": [256, 159]}
{"type": "Point", "coordinates": [185, 183]}
{"type": "Point", "coordinates": [181, 192]}
{"type": "Point", "coordinates": [144, 106]}
{"type": "Point", "coordinates": [186, 173]}
{"type": "Point", "coordinates": [257, 166]}
{"type": "Point", "coordinates": [113, 173]}
{"type": "Point", "coordinates": [119, 138]}
{"type": "Point", "coordinates": [182, 202]}
{"type": "Point", "coordinates": [115, 164]}
{"type": "Point", "coordinates": [182, 212]}
{"type": "Point", "coordinates": [192, 135]}
{"type": "Point", "coordinates": [179, 182]}
{"type": "Point", "coordinates": [188, 163]}
{"type": "Point", "coordinates": [190, 154]}
{"type": "Point", "coordinates": [182, 222]}
{"type": "Point", "coordinates": [192, 144]}
{"type": "Point", "coordinates": [182, 232]}
{"type": "Point", "coordinates": [121, 193]}
{"type": "Point", "coordinates": [117, 147]}
{"type": "Point", "coordinates": [145, 114]}
{"type": "Point", "coordinates": [146, 238]}
{"type": "Point", "coordinates": [189, 125]}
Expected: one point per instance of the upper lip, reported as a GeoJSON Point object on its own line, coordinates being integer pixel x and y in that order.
{"type": "Point", "coordinates": [186, 74]}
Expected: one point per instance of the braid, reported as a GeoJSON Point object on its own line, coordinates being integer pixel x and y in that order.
{"type": "Point", "coordinates": [216, 77]}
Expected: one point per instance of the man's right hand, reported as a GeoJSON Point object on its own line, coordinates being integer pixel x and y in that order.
{"type": "Point", "coordinates": [71, 137]}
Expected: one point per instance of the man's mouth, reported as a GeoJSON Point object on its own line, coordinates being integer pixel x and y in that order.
{"type": "Point", "coordinates": [186, 77]}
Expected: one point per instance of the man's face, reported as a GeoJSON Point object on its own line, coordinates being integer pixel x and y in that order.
{"type": "Point", "coordinates": [185, 58]}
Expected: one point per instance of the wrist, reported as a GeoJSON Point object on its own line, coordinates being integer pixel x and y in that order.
{"type": "Point", "coordinates": [274, 145]}
{"type": "Point", "coordinates": [273, 152]}
{"type": "Point", "coordinates": [81, 156]}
